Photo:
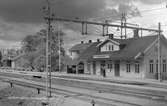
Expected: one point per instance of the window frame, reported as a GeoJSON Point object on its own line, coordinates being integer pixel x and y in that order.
{"type": "Point", "coordinates": [109, 47]}
{"type": "Point", "coordinates": [137, 67]}
{"type": "Point", "coordinates": [151, 66]}
{"type": "Point", "coordinates": [112, 47]}
{"type": "Point", "coordinates": [128, 67]}
{"type": "Point", "coordinates": [164, 65]}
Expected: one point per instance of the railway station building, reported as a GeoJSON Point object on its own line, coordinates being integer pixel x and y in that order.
{"type": "Point", "coordinates": [135, 57]}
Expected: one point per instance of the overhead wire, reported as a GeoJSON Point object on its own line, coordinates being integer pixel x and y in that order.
{"type": "Point", "coordinates": [97, 30]}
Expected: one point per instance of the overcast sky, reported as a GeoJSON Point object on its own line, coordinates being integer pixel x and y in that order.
{"type": "Point", "coordinates": [19, 18]}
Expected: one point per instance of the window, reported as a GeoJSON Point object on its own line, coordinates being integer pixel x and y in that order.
{"type": "Point", "coordinates": [112, 47]}
{"type": "Point", "coordinates": [157, 66]}
{"type": "Point", "coordinates": [110, 66]}
{"type": "Point", "coordinates": [128, 67]}
{"type": "Point", "coordinates": [106, 47]}
{"type": "Point", "coordinates": [164, 65]}
{"type": "Point", "coordinates": [109, 47]}
{"type": "Point", "coordinates": [151, 66]}
{"type": "Point", "coordinates": [137, 67]}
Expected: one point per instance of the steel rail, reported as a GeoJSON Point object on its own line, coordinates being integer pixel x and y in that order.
{"type": "Point", "coordinates": [68, 93]}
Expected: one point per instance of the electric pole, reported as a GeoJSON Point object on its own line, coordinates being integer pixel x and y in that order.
{"type": "Point", "coordinates": [48, 50]}
{"type": "Point", "coordinates": [159, 52]}
{"type": "Point", "coordinates": [59, 45]}
{"type": "Point", "coordinates": [123, 25]}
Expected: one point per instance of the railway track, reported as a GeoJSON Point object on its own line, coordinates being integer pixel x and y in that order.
{"type": "Point", "coordinates": [122, 91]}
{"type": "Point", "coordinates": [70, 80]}
{"type": "Point", "coordinates": [77, 95]}
{"type": "Point", "coordinates": [100, 89]}
{"type": "Point", "coordinates": [114, 81]}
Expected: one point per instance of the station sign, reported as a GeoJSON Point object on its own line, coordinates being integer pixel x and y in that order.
{"type": "Point", "coordinates": [101, 56]}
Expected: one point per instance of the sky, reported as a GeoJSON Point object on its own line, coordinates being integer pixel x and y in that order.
{"type": "Point", "coordinates": [19, 18]}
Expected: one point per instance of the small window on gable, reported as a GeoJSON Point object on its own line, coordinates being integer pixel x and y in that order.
{"type": "Point", "coordinates": [106, 47]}
{"type": "Point", "coordinates": [112, 47]}
{"type": "Point", "coordinates": [109, 47]}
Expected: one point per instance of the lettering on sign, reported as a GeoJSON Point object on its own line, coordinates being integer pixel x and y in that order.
{"type": "Point", "coordinates": [101, 56]}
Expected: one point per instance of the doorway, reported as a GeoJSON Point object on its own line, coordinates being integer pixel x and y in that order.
{"type": "Point", "coordinates": [102, 69]}
{"type": "Point", "coordinates": [117, 69]}
{"type": "Point", "coordinates": [94, 68]}
{"type": "Point", "coordinates": [81, 68]}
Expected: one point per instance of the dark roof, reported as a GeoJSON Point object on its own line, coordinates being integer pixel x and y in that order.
{"type": "Point", "coordinates": [80, 47]}
{"type": "Point", "coordinates": [132, 48]}
{"type": "Point", "coordinates": [69, 61]}
{"type": "Point", "coordinates": [89, 52]}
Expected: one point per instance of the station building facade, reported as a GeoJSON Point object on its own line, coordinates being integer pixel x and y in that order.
{"type": "Point", "coordinates": [135, 57]}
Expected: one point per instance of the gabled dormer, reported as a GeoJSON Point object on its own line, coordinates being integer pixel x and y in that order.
{"type": "Point", "coordinates": [109, 45]}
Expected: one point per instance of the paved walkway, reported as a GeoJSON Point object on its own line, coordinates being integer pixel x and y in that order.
{"type": "Point", "coordinates": [116, 79]}
{"type": "Point", "coordinates": [120, 80]}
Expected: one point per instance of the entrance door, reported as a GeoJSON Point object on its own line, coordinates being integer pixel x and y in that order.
{"type": "Point", "coordinates": [102, 69]}
{"type": "Point", "coordinates": [81, 68]}
{"type": "Point", "coordinates": [117, 69]}
{"type": "Point", "coordinates": [94, 68]}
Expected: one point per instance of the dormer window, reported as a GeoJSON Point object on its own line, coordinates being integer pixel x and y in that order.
{"type": "Point", "coordinates": [112, 47]}
{"type": "Point", "coordinates": [109, 45]}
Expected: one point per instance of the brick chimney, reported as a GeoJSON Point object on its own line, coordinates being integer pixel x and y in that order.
{"type": "Point", "coordinates": [90, 41]}
{"type": "Point", "coordinates": [82, 42]}
{"type": "Point", "coordinates": [98, 40]}
{"type": "Point", "coordinates": [111, 36]}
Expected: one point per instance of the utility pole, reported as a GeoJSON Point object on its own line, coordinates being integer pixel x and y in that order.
{"type": "Point", "coordinates": [48, 51]}
{"type": "Point", "coordinates": [106, 21]}
{"type": "Point", "coordinates": [123, 25]}
{"type": "Point", "coordinates": [84, 28]}
{"type": "Point", "coordinates": [59, 44]}
{"type": "Point", "coordinates": [103, 30]}
{"type": "Point", "coordinates": [159, 52]}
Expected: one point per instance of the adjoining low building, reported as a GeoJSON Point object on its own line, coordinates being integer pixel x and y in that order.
{"type": "Point", "coordinates": [18, 61]}
{"type": "Point", "coordinates": [135, 57]}
{"type": "Point", "coordinates": [8, 55]}
{"type": "Point", "coordinates": [76, 53]}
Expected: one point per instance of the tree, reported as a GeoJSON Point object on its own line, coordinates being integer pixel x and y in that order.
{"type": "Point", "coordinates": [34, 48]}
